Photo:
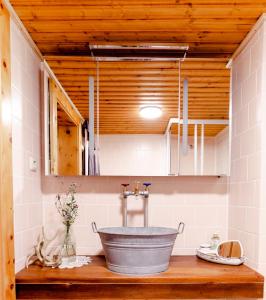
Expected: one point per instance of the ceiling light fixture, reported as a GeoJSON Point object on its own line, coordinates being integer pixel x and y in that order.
{"type": "Point", "coordinates": [151, 112]}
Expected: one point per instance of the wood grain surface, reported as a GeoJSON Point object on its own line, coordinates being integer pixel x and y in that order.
{"type": "Point", "coordinates": [188, 277]}
{"type": "Point", "coordinates": [7, 273]}
{"type": "Point", "coordinates": [210, 27]}
{"type": "Point", "coordinates": [124, 87]}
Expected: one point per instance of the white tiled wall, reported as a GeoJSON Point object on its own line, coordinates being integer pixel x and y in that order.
{"type": "Point", "coordinates": [133, 154]}
{"type": "Point", "coordinates": [222, 152]}
{"type": "Point", "coordinates": [216, 155]}
{"type": "Point", "coordinates": [200, 202]}
{"type": "Point", "coordinates": [186, 166]}
{"type": "Point", "coordinates": [145, 154]}
{"type": "Point", "coordinates": [262, 224]}
{"type": "Point", "coordinates": [247, 183]}
{"type": "Point", "coordinates": [26, 143]}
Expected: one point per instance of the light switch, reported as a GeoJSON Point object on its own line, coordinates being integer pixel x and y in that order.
{"type": "Point", "coordinates": [33, 164]}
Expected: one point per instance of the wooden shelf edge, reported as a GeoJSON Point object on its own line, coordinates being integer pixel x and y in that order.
{"type": "Point", "coordinates": [188, 277]}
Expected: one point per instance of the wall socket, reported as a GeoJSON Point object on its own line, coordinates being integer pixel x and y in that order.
{"type": "Point", "coordinates": [33, 164]}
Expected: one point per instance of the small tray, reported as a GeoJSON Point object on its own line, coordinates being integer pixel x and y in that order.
{"type": "Point", "coordinates": [211, 256]}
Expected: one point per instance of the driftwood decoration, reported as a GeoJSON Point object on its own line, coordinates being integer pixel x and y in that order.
{"type": "Point", "coordinates": [43, 253]}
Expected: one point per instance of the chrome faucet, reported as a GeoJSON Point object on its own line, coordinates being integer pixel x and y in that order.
{"type": "Point", "coordinates": [136, 192]}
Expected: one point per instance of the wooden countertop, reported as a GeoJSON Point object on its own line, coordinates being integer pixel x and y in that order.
{"type": "Point", "coordinates": [187, 277]}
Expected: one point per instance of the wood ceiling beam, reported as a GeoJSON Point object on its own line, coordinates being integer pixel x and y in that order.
{"type": "Point", "coordinates": [180, 25]}
{"type": "Point", "coordinates": [141, 66]}
{"type": "Point", "coordinates": [136, 12]}
{"type": "Point", "coordinates": [132, 2]}
{"type": "Point", "coordinates": [142, 73]}
{"type": "Point", "coordinates": [75, 58]}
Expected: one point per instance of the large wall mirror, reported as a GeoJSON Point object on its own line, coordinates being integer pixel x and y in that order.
{"type": "Point", "coordinates": [150, 117]}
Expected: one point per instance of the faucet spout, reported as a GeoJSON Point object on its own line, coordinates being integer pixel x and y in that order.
{"type": "Point", "coordinates": [136, 189]}
{"type": "Point", "coordinates": [136, 192]}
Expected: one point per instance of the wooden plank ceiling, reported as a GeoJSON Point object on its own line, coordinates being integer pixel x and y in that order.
{"type": "Point", "coordinates": [126, 86]}
{"type": "Point", "coordinates": [210, 27]}
{"type": "Point", "coordinates": [64, 31]}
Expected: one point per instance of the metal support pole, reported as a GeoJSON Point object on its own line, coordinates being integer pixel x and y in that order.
{"type": "Point", "coordinates": [125, 212]}
{"type": "Point", "coordinates": [98, 104]}
{"type": "Point", "coordinates": [202, 150]}
{"type": "Point", "coordinates": [185, 117]}
{"type": "Point", "coordinates": [179, 117]}
{"type": "Point", "coordinates": [168, 153]}
{"type": "Point", "coordinates": [86, 153]}
{"type": "Point", "coordinates": [195, 149]}
{"type": "Point", "coordinates": [91, 115]}
{"type": "Point", "coordinates": [230, 120]}
{"type": "Point", "coordinates": [146, 211]}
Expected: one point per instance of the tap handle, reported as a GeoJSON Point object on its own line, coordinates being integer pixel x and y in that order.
{"type": "Point", "coordinates": [125, 184]}
{"type": "Point", "coordinates": [146, 184]}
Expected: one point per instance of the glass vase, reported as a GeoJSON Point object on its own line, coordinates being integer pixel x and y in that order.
{"type": "Point", "coordinates": [69, 246]}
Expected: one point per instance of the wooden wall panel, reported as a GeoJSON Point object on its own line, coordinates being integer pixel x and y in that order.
{"type": "Point", "coordinates": [62, 114]}
{"type": "Point", "coordinates": [7, 276]}
{"type": "Point", "coordinates": [53, 128]}
{"type": "Point", "coordinates": [69, 150]}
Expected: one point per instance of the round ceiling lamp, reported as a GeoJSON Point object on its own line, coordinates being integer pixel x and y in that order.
{"type": "Point", "coordinates": [150, 112]}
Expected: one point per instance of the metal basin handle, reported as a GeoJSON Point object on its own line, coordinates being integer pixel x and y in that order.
{"type": "Point", "coordinates": [94, 227]}
{"type": "Point", "coordinates": [181, 227]}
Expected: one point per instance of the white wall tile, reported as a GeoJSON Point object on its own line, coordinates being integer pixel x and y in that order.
{"type": "Point", "coordinates": [247, 191]}
{"type": "Point", "coordinates": [25, 69]}
{"type": "Point", "coordinates": [199, 202]}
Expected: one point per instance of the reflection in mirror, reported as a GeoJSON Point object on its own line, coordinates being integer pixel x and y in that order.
{"type": "Point", "coordinates": [120, 137]}
{"type": "Point", "coordinates": [68, 144]}
{"type": "Point", "coordinates": [207, 151]}
{"type": "Point", "coordinates": [65, 145]}
{"type": "Point", "coordinates": [230, 249]}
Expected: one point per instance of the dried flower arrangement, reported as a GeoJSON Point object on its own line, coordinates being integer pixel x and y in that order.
{"type": "Point", "coordinates": [67, 207]}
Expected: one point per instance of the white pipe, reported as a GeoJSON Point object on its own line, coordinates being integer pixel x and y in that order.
{"type": "Point", "coordinates": [202, 150]}
{"type": "Point", "coordinates": [91, 115]}
{"type": "Point", "coordinates": [98, 105]}
{"type": "Point", "coordinates": [168, 153]}
{"type": "Point", "coordinates": [86, 153]}
{"type": "Point", "coordinates": [146, 211]}
{"type": "Point", "coordinates": [195, 149]}
{"type": "Point", "coordinates": [179, 116]}
{"type": "Point", "coordinates": [185, 118]}
{"type": "Point", "coordinates": [195, 121]}
{"type": "Point", "coordinates": [125, 212]}
{"type": "Point", "coordinates": [230, 120]}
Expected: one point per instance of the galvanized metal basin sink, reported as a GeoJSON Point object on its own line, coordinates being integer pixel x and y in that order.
{"type": "Point", "coordinates": [138, 250]}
